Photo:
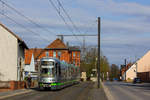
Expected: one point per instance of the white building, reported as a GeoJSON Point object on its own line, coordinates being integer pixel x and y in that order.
{"type": "Point", "coordinates": [30, 63]}
{"type": "Point", "coordinates": [11, 55]}
{"type": "Point", "coordinates": [131, 72]}
{"type": "Point", "coordinates": [140, 69]}
{"type": "Point", "coordinates": [29, 69]}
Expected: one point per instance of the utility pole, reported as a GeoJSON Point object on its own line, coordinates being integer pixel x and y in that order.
{"type": "Point", "coordinates": [125, 61]}
{"type": "Point", "coordinates": [98, 61]}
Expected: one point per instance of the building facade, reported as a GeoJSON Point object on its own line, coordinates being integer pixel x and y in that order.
{"type": "Point", "coordinates": [57, 49]}
{"type": "Point", "coordinates": [131, 73]}
{"type": "Point", "coordinates": [11, 55]}
{"type": "Point", "coordinates": [140, 69]}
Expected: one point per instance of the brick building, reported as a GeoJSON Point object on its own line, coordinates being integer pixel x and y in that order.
{"type": "Point", "coordinates": [56, 49]}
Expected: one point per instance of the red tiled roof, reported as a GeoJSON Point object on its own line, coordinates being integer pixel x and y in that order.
{"type": "Point", "coordinates": [28, 54]}
{"type": "Point", "coordinates": [56, 44]}
{"type": "Point", "coordinates": [127, 67]}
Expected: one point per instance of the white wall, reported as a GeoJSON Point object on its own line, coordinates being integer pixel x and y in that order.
{"type": "Point", "coordinates": [131, 72]}
{"type": "Point", "coordinates": [143, 64]}
{"type": "Point", "coordinates": [8, 55]}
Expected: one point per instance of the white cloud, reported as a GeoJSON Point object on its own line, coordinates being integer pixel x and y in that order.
{"type": "Point", "coordinates": [122, 24]}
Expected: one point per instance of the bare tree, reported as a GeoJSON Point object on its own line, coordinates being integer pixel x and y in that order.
{"type": "Point", "coordinates": [114, 72]}
{"type": "Point", "coordinates": [90, 62]}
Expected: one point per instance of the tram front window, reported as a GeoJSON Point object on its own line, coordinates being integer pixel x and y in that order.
{"type": "Point", "coordinates": [48, 71]}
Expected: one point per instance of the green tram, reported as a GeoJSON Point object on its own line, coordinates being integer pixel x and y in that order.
{"type": "Point", "coordinates": [56, 74]}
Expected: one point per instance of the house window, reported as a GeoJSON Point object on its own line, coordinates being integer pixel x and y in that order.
{"type": "Point", "coordinates": [77, 54]}
{"type": "Point", "coordinates": [54, 54]}
{"type": "Point", "coordinates": [74, 54]}
{"type": "Point", "coordinates": [47, 54]}
{"type": "Point", "coordinates": [59, 54]}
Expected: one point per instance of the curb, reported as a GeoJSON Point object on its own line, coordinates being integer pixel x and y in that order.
{"type": "Point", "coordinates": [107, 92]}
{"type": "Point", "coordinates": [14, 94]}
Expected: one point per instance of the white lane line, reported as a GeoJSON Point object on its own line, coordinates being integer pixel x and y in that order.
{"type": "Point", "coordinates": [3, 97]}
{"type": "Point", "coordinates": [107, 92]}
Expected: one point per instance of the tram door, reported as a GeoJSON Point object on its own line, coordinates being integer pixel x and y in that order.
{"type": "Point", "coordinates": [58, 70]}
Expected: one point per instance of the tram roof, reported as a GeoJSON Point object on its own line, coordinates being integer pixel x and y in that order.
{"type": "Point", "coordinates": [49, 59]}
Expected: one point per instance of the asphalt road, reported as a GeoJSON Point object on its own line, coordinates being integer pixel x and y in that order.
{"type": "Point", "coordinates": [128, 91]}
{"type": "Point", "coordinates": [82, 91]}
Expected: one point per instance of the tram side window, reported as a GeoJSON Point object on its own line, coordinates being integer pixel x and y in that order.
{"type": "Point", "coordinates": [59, 69]}
{"type": "Point", "coordinates": [56, 69]}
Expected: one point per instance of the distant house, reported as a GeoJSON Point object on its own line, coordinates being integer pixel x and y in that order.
{"type": "Point", "coordinates": [11, 55]}
{"type": "Point", "coordinates": [131, 73]}
{"type": "Point", "coordinates": [29, 69]}
{"type": "Point", "coordinates": [30, 56]}
{"type": "Point", "coordinates": [140, 69]}
{"type": "Point", "coordinates": [56, 49]}
{"type": "Point", "coordinates": [125, 69]}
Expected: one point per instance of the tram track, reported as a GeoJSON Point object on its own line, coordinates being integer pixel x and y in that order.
{"type": "Point", "coordinates": [79, 91]}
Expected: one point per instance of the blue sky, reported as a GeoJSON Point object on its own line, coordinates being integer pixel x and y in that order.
{"type": "Point", "coordinates": [125, 31]}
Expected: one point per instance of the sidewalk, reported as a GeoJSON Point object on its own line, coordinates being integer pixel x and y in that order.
{"type": "Point", "coordinates": [14, 93]}
{"type": "Point", "coordinates": [98, 93]}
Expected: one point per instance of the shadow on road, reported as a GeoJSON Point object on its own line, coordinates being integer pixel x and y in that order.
{"type": "Point", "coordinates": [145, 86]}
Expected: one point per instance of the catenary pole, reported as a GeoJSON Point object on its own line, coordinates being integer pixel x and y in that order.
{"type": "Point", "coordinates": [125, 61]}
{"type": "Point", "coordinates": [98, 61]}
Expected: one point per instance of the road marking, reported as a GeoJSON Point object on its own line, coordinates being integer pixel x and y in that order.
{"type": "Point", "coordinates": [107, 92]}
{"type": "Point", "coordinates": [27, 91]}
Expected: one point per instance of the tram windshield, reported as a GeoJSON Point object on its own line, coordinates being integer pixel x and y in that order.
{"type": "Point", "coordinates": [48, 71]}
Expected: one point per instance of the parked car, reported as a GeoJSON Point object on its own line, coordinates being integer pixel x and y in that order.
{"type": "Point", "coordinates": [115, 79]}
{"type": "Point", "coordinates": [136, 80]}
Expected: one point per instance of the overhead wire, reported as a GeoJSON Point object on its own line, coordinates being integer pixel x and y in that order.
{"type": "Point", "coordinates": [73, 24]}
{"type": "Point", "coordinates": [62, 17]}
{"type": "Point", "coordinates": [27, 18]}
{"type": "Point", "coordinates": [23, 26]}
{"type": "Point", "coordinates": [70, 19]}
{"type": "Point", "coordinates": [91, 27]}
